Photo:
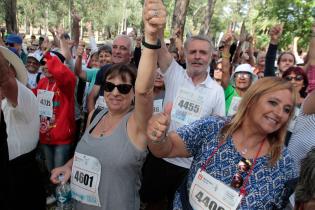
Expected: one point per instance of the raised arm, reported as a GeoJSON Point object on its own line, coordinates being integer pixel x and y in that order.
{"type": "Point", "coordinates": [164, 57]}
{"type": "Point", "coordinates": [78, 64]}
{"type": "Point", "coordinates": [275, 35]}
{"type": "Point", "coordinates": [226, 65]}
{"type": "Point", "coordinates": [311, 52]}
{"type": "Point", "coordinates": [65, 50]}
{"type": "Point", "coordinates": [76, 27]}
{"type": "Point", "coordinates": [91, 36]}
{"type": "Point", "coordinates": [154, 20]}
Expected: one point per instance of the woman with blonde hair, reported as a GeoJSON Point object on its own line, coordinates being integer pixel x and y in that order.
{"type": "Point", "coordinates": [238, 162]}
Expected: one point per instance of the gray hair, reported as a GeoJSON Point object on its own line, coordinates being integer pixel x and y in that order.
{"type": "Point", "coordinates": [198, 37]}
{"type": "Point", "coordinates": [128, 39]}
{"type": "Point", "coordinates": [305, 189]}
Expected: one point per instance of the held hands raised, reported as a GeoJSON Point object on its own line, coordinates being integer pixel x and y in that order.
{"type": "Point", "coordinates": [154, 18]}
{"type": "Point", "coordinates": [158, 125]}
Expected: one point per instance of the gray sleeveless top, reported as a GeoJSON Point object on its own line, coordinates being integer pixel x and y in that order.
{"type": "Point", "coordinates": [121, 164]}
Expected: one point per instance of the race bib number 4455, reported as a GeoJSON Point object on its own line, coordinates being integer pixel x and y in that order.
{"type": "Point", "coordinates": [85, 178]}
{"type": "Point", "coordinates": [187, 107]}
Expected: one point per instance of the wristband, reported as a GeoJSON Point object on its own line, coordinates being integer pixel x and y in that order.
{"type": "Point", "coordinates": [151, 46]}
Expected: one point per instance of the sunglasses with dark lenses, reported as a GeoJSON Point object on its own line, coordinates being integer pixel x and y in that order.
{"type": "Point", "coordinates": [122, 88]}
{"type": "Point", "coordinates": [243, 166]}
{"type": "Point", "coordinates": [296, 78]}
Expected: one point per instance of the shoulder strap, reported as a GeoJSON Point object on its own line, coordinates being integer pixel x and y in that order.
{"type": "Point", "coordinates": [96, 111]}
{"type": "Point", "coordinates": [38, 77]}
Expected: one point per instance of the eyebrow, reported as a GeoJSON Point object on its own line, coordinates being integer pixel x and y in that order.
{"type": "Point", "coordinates": [278, 100]}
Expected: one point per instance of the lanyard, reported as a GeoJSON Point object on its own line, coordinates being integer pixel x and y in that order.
{"type": "Point", "coordinates": [242, 190]}
{"type": "Point", "coordinates": [52, 89]}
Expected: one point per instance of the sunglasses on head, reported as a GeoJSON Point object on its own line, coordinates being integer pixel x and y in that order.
{"type": "Point", "coordinates": [296, 78]}
{"type": "Point", "coordinates": [122, 88]}
{"type": "Point", "coordinates": [243, 166]}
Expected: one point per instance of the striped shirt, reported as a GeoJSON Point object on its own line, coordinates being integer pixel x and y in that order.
{"type": "Point", "coordinates": [303, 137]}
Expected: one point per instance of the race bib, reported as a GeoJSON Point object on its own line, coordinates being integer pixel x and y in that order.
{"type": "Point", "coordinates": [158, 106]}
{"type": "Point", "coordinates": [45, 101]}
{"type": "Point", "coordinates": [234, 105]}
{"type": "Point", "coordinates": [100, 102]}
{"type": "Point", "coordinates": [291, 125]}
{"type": "Point", "coordinates": [207, 192]}
{"type": "Point", "coordinates": [187, 107]}
{"type": "Point", "coordinates": [85, 178]}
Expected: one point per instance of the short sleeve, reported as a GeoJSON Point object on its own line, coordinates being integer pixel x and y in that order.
{"type": "Point", "coordinates": [200, 132]}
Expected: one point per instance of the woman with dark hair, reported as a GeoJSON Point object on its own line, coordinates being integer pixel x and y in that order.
{"type": "Point", "coordinates": [239, 162]}
{"type": "Point", "coordinates": [106, 168]}
{"type": "Point", "coordinates": [299, 80]}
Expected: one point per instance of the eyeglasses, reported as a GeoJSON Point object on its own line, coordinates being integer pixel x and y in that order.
{"type": "Point", "coordinates": [296, 78]}
{"type": "Point", "coordinates": [122, 88]}
{"type": "Point", "coordinates": [243, 166]}
{"type": "Point", "coordinates": [242, 74]}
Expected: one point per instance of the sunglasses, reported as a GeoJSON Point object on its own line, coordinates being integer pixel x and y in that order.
{"type": "Point", "coordinates": [243, 166]}
{"type": "Point", "coordinates": [296, 78]}
{"type": "Point", "coordinates": [242, 75]}
{"type": "Point", "coordinates": [122, 88]}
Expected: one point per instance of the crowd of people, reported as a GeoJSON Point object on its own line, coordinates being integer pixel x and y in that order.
{"type": "Point", "coordinates": [155, 127]}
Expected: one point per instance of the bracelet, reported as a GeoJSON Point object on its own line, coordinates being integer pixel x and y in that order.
{"type": "Point", "coordinates": [151, 46]}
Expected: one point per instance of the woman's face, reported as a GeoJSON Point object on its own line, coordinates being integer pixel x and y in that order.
{"type": "Point", "coordinates": [159, 80]}
{"type": "Point", "coordinates": [286, 61]}
{"type": "Point", "coordinates": [94, 61]}
{"type": "Point", "coordinates": [243, 80]}
{"type": "Point", "coordinates": [217, 74]}
{"type": "Point", "coordinates": [116, 100]}
{"type": "Point", "coordinates": [104, 58]}
{"type": "Point", "coordinates": [271, 111]}
{"type": "Point", "coordinates": [297, 81]}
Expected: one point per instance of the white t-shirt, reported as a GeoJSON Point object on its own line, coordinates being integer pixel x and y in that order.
{"type": "Point", "coordinates": [214, 101]}
{"type": "Point", "coordinates": [22, 122]}
{"type": "Point", "coordinates": [32, 79]}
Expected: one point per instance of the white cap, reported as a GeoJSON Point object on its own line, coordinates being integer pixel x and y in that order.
{"type": "Point", "coordinates": [37, 55]}
{"type": "Point", "coordinates": [243, 68]}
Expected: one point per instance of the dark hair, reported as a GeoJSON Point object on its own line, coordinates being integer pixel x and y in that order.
{"type": "Point", "coordinates": [282, 54]}
{"type": "Point", "coordinates": [104, 48]}
{"type": "Point", "coordinates": [122, 70]}
{"type": "Point", "coordinates": [298, 71]}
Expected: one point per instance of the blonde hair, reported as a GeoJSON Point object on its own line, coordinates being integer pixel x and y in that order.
{"type": "Point", "coordinates": [259, 88]}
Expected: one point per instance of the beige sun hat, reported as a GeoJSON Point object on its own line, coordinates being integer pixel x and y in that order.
{"type": "Point", "coordinates": [16, 62]}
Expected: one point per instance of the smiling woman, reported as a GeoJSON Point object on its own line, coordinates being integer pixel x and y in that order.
{"type": "Point", "coordinates": [242, 155]}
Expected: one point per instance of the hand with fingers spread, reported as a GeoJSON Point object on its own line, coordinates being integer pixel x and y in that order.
{"type": "Point", "coordinates": [76, 17]}
{"type": "Point", "coordinates": [159, 124]}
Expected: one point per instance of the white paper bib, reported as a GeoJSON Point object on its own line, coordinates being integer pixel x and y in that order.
{"type": "Point", "coordinates": [85, 179]}
{"type": "Point", "coordinates": [234, 105]}
{"type": "Point", "coordinates": [45, 101]}
{"type": "Point", "coordinates": [158, 105]}
{"type": "Point", "coordinates": [187, 107]}
{"type": "Point", "coordinates": [207, 192]}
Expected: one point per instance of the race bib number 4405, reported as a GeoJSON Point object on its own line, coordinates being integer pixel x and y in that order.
{"type": "Point", "coordinates": [187, 107]}
{"type": "Point", "coordinates": [85, 178]}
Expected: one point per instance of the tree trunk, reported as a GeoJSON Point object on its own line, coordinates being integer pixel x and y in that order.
{"type": "Point", "coordinates": [205, 29]}
{"type": "Point", "coordinates": [10, 16]}
{"type": "Point", "coordinates": [179, 19]}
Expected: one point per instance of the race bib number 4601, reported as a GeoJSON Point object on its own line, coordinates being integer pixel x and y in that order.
{"type": "Point", "coordinates": [85, 178]}
{"type": "Point", "coordinates": [187, 107]}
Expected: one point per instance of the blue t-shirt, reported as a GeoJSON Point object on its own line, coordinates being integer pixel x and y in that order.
{"type": "Point", "coordinates": [266, 185]}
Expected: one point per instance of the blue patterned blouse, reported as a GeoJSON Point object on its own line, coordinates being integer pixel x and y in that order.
{"type": "Point", "coordinates": [266, 186]}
